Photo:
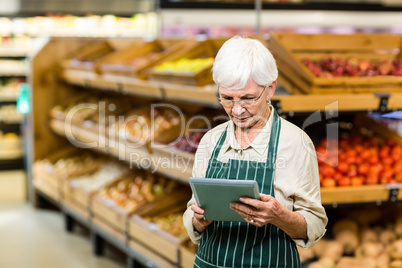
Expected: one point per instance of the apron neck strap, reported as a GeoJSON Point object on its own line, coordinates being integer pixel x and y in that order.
{"type": "Point", "coordinates": [273, 140]}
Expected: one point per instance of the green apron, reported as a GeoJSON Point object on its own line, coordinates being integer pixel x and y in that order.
{"type": "Point", "coordinates": [240, 244]}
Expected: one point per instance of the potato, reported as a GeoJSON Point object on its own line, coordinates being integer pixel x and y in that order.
{"type": "Point", "coordinates": [333, 250]}
{"type": "Point", "coordinates": [383, 260]}
{"type": "Point", "coordinates": [365, 216]}
{"type": "Point", "coordinates": [352, 262]}
{"type": "Point", "coordinates": [319, 248]}
{"type": "Point", "coordinates": [323, 263]}
{"type": "Point", "coordinates": [306, 254]}
{"type": "Point", "coordinates": [349, 240]}
{"type": "Point", "coordinates": [369, 250]}
{"type": "Point", "coordinates": [387, 237]}
{"type": "Point", "coordinates": [368, 235]}
{"type": "Point", "coordinates": [396, 249]}
{"type": "Point", "coordinates": [345, 224]}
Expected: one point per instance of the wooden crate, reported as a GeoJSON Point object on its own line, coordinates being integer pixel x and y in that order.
{"type": "Point", "coordinates": [290, 49]}
{"type": "Point", "coordinates": [150, 255]}
{"type": "Point", "coordinates": [187, 256]}
{"type": "Point", "coordinates": [106, 211]}
{"type": "Point", "coordinates": [151, 236]}
{"type": "Point", "coordinates": [353, 194]}
{"type": "Point", "coordinates": [205, 49]}
{"type": "Point", "coordinates": [89, 56]}
{"type": "Point", "coordinates": [45, 178]}
{"type": "Point", "coordinates": [180, 162]}
{"type": "Point", "coordinates": [140, 55]}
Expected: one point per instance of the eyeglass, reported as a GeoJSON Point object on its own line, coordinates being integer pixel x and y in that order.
{"type": "Point", "coordinates": [246, 103]}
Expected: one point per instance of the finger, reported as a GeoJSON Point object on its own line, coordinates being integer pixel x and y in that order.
{"type": "Point", "coordinates": [239, 207]}
{"type": "Point", "coordinates": [250, 201]}
{"type": "Point", "coordinates": [265, 197]}
{"type": "Point", "coordinates": [197, 209]}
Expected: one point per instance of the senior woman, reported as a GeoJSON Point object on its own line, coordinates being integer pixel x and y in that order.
{"type": "Point", "coordinates": [256, 144]}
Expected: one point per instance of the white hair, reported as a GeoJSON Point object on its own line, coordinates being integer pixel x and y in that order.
{"type": "Point", "coordinates": [241, 59]}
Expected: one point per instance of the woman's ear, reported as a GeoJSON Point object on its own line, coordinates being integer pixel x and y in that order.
{"type": "Point", "coordinates": [271, 90]}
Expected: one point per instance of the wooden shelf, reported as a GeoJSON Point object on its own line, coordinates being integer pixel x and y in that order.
{"type": "Point", "coordinates": [206, 95]}
{"type": "Point", "coordinates": [121, 150]}
{"type": "Point", "coordinates": [359, 194]}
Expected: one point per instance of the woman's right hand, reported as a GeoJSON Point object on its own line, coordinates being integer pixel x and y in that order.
{"type": "Point", "coordinates": [198, 220]}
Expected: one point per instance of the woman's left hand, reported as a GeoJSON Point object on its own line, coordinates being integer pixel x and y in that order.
{"type": "Point", "coordinates": [259, 212]}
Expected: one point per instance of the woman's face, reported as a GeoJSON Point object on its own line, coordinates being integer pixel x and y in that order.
{"type": "Point", "coordinates": [253, 116]}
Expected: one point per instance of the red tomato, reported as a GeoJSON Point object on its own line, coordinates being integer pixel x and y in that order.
{"type": "Point", "coordinates": [329, 182]}
{"type": "Point", "coordinates": [352, 171]}
{"type": "Point", "coordinates": [327, 170]}
{"type": "Point", "coordinates": [365, 154]}
{"type": "Point", "coordinates": [356, 181]}
{"type": "Point", "coordinates": [373, 160]}
{"type": "Point", "coordinates": [343, 167]}
{"type": "Point", "coordinates": [391, 142]}
{"type": "Point", "coordinates": [363, 169]}
{"type": "Point", "coordinates": [351, 160]}
{"type": "Point", "coordinates": [387, 173]}
{"type": "Point", "coordinates": [344, 181]}
{"type": "Point", "coordinates": [337, 175]}
{"type": "Point", "coordinates": [398, 177]}
{"type": "Point", "coordinates": [387, 161]}
{"type": "Point", "coordinates": [372, 179]}
{"type": "Point", "coordinates": [398, 166]}
{"type": "Point", "coordinates": [384, 151]}
{"type": "Point", "coordinates": [396, 153]}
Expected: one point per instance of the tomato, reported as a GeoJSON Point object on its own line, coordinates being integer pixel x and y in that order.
{"type": "Point", "coordinates": [396, 153]}
{"type": "Point", "coordinates": [351, 153]}
{"type": "Point", "coordinates": [343, 166]}
{"type": "Point", "coordinates": [329, 182]}
{"type": "Point", "coordinates": [363, 169]}
{"type": "Point", "coordinates": [387, 161]}
{"type": "Point", "coordinates": [398, 177]}
{"type": "Point", "coordinates": [398, 166]}
{"type": "Point", "coordinates": [356, 181]}
{"type": "Point", "coordinates": [351, 160]}
{"type": "Point", "coordinates": [327, 170]}
{"type": "Point", "coordinates": [372, 179]}
{"type": "Point", "coordinates": [337, 175]}
{"type": "Point", "coordinates": [387, 173]}
{"type": "Point", "coordinates": [384, 151]}
{"type": "Point", "coordinates": [365, 154]}
{"type": "Point", "coordinates": [344, 181]}
{"type": "Point", "coordinates": [373, 160]}
{"type": "Point", "coordinates": [391, 142]}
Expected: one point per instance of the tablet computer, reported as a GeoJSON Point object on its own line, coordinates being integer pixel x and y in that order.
{"type": "Point", "coordinates": [215, 196]}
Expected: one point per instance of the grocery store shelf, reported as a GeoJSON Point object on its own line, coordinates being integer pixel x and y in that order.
{"type": "Point", "coordinates": [13, 52]}
{"type": "Point", "coordinates": [85, 138]}
{"type": "Point", "coordinates": [361, 194]}
{"type": "Point", "coordinates": [11, 164]}
{"type": "Point", "coordinates": [366, 102]}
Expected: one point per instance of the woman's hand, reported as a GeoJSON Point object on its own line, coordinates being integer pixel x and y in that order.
{"type": "Point", "coordinates": [259, 212]}
{"type": "Point", "coordinates": [198, 220]}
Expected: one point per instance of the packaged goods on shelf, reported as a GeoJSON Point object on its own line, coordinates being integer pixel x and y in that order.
{"type": "Point", "coordinates": [13, 67]}
{"type": "Point", "coordinates": [9, 89]}
{"type": "Point", "coordinates": [10, 146]}
{"type": "Point", "coordinates": [9, 114]}
{"type": "Point", "coordinates": [333, 64]}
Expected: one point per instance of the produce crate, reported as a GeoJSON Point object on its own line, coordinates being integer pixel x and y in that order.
{"type": "Point", "coordinates": [149, 234]}
{"type": "Point", "coordinates": [200, 77]}
{"type": "Point", "coordinates": [140, 55]}
{"type": "Point", "coordinates": [180, 162]}
{"type": "Point", "coordinates": [89, 56]}
{"type": "Point", "coordinates": [290, 49]}
{"type": "Point", "coordinates": [187, 254]}
{"type": "Point", "coordinates": [44, 177]}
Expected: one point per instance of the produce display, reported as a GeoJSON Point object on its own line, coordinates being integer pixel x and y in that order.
{"type": "Point", "coordinates": [184, 65]}
{"type": "Point", "coordinates": [359, 160]}
{"type": "Point", "coordinates": [172, 224]}
{"type": "Point", "coordinates": [189, 143]}
{"type": "Point", "coordinates": [82, 109]}
{"type": "Point", "coordinates": [369, 238]}
{"type": "Point", "coordinates": [106, 173]}
{"type": "Point", "coordinates": [137, 189]}
{"type": "Point", "coordinates": [329, 67]}
{"type": "Point", "coordinates": [68, 166]}
{"type": "Point", "coordinates": [163, 127]}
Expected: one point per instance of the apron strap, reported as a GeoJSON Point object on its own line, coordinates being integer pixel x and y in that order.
{"type": "Point", "coordinates": [274, 140]}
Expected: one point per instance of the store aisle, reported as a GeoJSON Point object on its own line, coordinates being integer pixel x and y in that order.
{"type": "Point", "coordinates": [32, 238]}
